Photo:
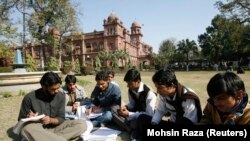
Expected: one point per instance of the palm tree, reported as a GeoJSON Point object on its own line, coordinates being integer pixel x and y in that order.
{"type": "Point", "coordinates": [115, 61]}
{"type": "Point", "coordinates": [104, 56]}
{"type": "Point", "coordinates": [97, 62]}
{"type": "Point", "coordinates": [158, 60]}
{"type": "Point", "coordinates": [124, 57]}
{"type": "Point", "coordinates": [187, 48]}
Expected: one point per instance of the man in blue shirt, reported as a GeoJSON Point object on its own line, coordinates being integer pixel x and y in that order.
{"type": "Point", "coordinates": [104, 96]}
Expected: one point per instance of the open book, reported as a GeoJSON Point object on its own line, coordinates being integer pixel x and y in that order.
{"type": "Point", "coordinates": [93, 115]}
{"type": "Point", "coordinates": [80, 114]}
{"type": "Point", "coordinates": [18, 127]}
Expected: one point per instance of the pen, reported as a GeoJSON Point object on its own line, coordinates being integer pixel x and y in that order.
{"type": "Point", "coordinates": [32, 113]}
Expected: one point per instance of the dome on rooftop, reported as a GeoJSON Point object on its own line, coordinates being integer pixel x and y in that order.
{"type": "Point", "coordinates": [136, 24]}
{"type": "Point", "coordinates": [112, 17]}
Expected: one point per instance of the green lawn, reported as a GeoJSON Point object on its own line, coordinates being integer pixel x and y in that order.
{"type": "Point", "coordinates": [197, 80]}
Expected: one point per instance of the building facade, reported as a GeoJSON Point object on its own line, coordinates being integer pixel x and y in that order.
{"type": "Point", "coordinates": [86, 46]}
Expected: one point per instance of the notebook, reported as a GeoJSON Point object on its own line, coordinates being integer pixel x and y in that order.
{"type": "Point", "coordinates": [18, 127]}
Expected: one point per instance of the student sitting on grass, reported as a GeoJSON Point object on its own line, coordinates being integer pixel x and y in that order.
{"type": "Point", "coordinates": [48, 100]}
{"type": "Point", "coordinates": [228, 101]}
{"type": "Point", "coordinates": [176, 100]}
{"type": "Point", "coordinates": [142, 100]}
{"type": "Point", "coordinates": [111, 76]}
{"type": "Point", "coordinates": [75, 96]}
{"type": "Point", "coordinates": [76, 99]}
{"type": "Point", "coordinates": [103, 97]}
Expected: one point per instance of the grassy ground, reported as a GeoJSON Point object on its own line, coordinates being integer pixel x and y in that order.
{"type": "Point", "coordinates": [196, 80]}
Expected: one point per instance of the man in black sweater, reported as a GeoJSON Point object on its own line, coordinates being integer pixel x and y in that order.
{"type": "Point", "coordinates": [49, 101]}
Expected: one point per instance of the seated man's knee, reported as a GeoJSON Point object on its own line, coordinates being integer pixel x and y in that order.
{"type": "Point", "coordinates": [107, 116]}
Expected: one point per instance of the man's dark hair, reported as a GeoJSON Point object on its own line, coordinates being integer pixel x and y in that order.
{"type": "Point", "coordinates": [165, 77]}
{"type": "Point", "coordinates": [111, 72]}
{"type": "Point", "coordinates": [70, 79]}
{"type": "Point", "coordinates": [49, 79]}
{"type": "Point", "coordinates": [132, 75]}
{"type": "Point", "coordinates": [101, 75]}
{"type": "Point", "coordinates": [225, 83]}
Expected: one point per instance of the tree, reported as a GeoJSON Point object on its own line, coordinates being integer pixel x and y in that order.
{"type": "Point", "coordinates": [67, 67]}
{"type": "Point", "coordinates": [223, 40]}
{"type": "Point", "coordinates": [245, 44]}
{"type": "Point", "coordinates": [97, 62]}
{"type": "Point", "coordinates": [6, 51]}
{"type": "Point", "coordinates": [119, 55]}
{"type": "Point", "coordinates": [124, 56]}
{"type": "Point", "coordinates": [154, 58]}
{"type": "Point", "coordinates": [52, 64]}
{"type": "Point", "coordinates": [42, 14]}
{"type": "Point", "coordinates": [187, 48]}
{"type": "Point", "coordinates": [104, 56]}
{"type": "Point", "coordinates": [166, 51]}
{"type": "Point", "coordinates": [6, 54]}
{"type": "Point", "coordinates": [66, 23]}
{"type": "Point", "coordinates": [7, 28]}
{"type": "Point", "coordinates": [115, 62]}
{"type": "Point", "coordinates": [77, 66]}
{"type": "Point", "coordinates": [235, 9]}
{"type": "Point", "coordinates": [31, 63]}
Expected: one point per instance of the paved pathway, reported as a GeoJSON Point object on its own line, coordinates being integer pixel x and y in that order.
{"type": "Point", "coordinates": [17, 88]}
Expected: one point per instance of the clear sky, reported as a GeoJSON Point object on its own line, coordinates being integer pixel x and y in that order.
{"type": "Point", "coordinates": [161, 19]}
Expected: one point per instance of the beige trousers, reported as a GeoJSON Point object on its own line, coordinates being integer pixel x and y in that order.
{"type": "Point", "coordinates": [67, 130]}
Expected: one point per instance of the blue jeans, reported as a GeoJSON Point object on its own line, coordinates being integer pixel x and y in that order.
{"type": "Point", "coordinates": [104, 118]}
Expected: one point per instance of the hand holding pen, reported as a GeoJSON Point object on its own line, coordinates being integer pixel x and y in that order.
{"type": "Point", "coordinates": [32, 114]}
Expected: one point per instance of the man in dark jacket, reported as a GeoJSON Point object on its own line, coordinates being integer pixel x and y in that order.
{"type": "Point", "coordinates": [104, 96]}
{"type": "Point", "coordinates": [50, 102]}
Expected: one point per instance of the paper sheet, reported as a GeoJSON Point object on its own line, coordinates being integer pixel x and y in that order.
{"type": "Point", "coordinates": [18, 127]}
{"type": "Point", "coordinates": [104, 134]}
{"type": "Point", "coordinates": [80, 114]}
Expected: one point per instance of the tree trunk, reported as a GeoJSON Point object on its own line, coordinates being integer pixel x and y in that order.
{"type": "Point", "coordinates": [187, 66]}
{"type": "Point", "coordinates": [60, 53]}
{"type": "Point", "coordinates": [60, 59]}
{"type": "Point", "coordinates": [42, 57]}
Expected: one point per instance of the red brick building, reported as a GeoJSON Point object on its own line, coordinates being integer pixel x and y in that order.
{"type": "Point", "coordinates": [85, 46]}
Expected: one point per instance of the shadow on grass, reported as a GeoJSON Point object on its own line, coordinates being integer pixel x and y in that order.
{"type": "Point", "coordinates": [12, 135]}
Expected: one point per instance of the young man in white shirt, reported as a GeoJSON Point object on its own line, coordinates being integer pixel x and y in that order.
{"type": "Point", "coordinates": [142, 100]}
{"type": "Point", "coordinates": [176, 100]}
